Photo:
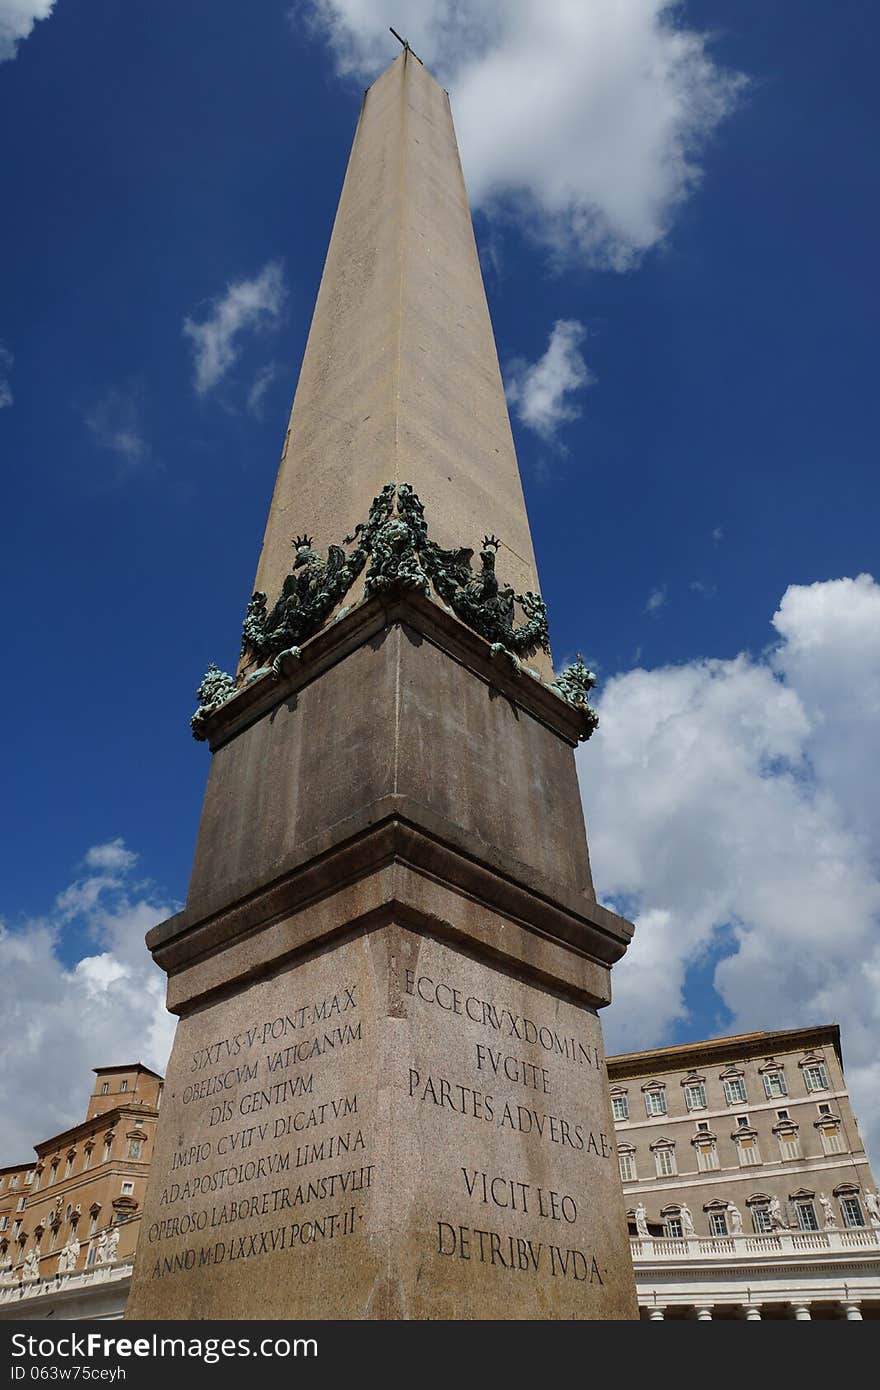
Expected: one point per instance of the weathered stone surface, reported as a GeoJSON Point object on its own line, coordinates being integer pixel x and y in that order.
{"type": "Point", "coordinates": [400, 378]}
{"type": "Point", "coordinates": [395, 717]}
{"type": "Point", "coordinates": [390, 1129]}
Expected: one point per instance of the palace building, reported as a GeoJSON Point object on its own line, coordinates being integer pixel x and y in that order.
{"type": "Point", "coordinates": [70, 1217]}
{"type": "Point", "coordinates": [748, 1189]}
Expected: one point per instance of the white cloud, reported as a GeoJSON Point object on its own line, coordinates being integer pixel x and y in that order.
{"type": "Point", "coordinates": [6, 361]}
{"type": "Point", "coordinates": [248, 306]}
{"type": "Point", "coordinates": [656, 600]}
{"type": "Point", "coordinates": [588, 118]}
{"type": "Point", "coordinates": [115, 422]}
{"type": "Point", "coordinates": [541, 393]}
{"type": "Point", "coordinates": [112, 855]}
{"type": "Point", "coordinates": [729, 806]}
{"type": "Point", "coordinates": [17, 19]}
{"type": "Point", "coordinates": [262, 381]}
{"type": "Point", "coordinates": [59, 1019]}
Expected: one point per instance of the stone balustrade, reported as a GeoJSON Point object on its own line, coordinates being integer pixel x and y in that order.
{"type": "Point", "coordinates": [750, 1246]}
{"type": "Point", "coordinates": [66, 1283]}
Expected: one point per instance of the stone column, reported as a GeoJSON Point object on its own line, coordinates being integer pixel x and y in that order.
{"type": "Point", "coordinates": [852, 1310]}
{"type": "Point", "coordinates": [752, 1312]}
{"type": "Point", "coordinates": [657, 1313]}
{"type": "Point", "coordinates": [801, 1312]}
{"type": "Point", "coordinates": [703, 1312]}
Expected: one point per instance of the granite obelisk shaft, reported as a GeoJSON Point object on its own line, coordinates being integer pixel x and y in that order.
{"type": "Point", "coordinates": [387, 1095]}
{"type": "Point", "coordinates": [400, 378]}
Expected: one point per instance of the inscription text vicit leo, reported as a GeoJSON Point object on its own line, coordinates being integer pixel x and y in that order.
{"type": "Point", "coordinates": [515, 1065]}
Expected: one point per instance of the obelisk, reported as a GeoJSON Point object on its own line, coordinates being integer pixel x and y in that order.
{"type": "Point", "coordinates": [387, 1094]}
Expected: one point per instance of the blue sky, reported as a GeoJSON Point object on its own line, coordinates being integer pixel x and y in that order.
{"type": "Point", "coordinates": [676, 208]}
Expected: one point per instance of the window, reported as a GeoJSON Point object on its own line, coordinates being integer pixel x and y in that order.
{"type": "Point", "coordinates": [4, 1222]}
{"type": "Point", "coordinates": [735, 1090]}
{"type": "Point", "coordinates": [108, 1145]}
{"type": "Point", "coordinates": [851, 1208]}
{"type": "Point", "coordinates": [627, 1162]}
{"type": "Point", "coordinates": [702, 1124]}
{"type": "Point", "coordinates": [127, 1189]}
{"type": "Point", "coordinates": [87, 1157]}
{"type": "Point", "coordinates": [832, 1139]}
{"type": "Point", "coordinates": [762, 1220]}
{"type": "Point", "coordinates": [717, 1223]}
{"type": "Point", "coordinates": [806, 1216]}
{"type": "Point", "coordinates": [672, 1227]}
{"type": "Point", "coordinates": [742, 1121]}
{"type": "Point", "coordinates": [29, 1177]}
{"type": "Point", "coordinates": [16, 1227]}
{"type": "Point", "coordinates": [774, 1085]}
{"type": "Point", "coordinates": [69, 1169]}
{"type": "Point", "coordinates": [20, 1206]}
{"type": "Point", "coordinates": [620, 1107]}
{"type": "Point", "coordinates": [93, 1251]}
{"type": "Point", "coordinates": [707, 1156]}
{"type": "Point", "coordinates": [134, 1148]}
{"type": "Point", "coordinates": [93, 1224]}
{"type": "Point", "coordinates": [13, 1181]}
{"type": "Point", "coordinates": [824, 1107]}
{"type": "Point", "coordinates": [38, 1177]}
{"type": "Point", "coordinates": [815, 1076]}
{"type": "Point", "coordinates": [105, 1087]}
{"type": "Point", "coordinates": [655, 1102]}
{"type": "Point", "coordinates": [53, 1237]}
{"type": "Point", "coordinates": [695, 1095]}
{"type": "Point", "coordinates": [664, 1163]}
{"type": "Point", "coordinates": [782, 1115]}
{"type": "Point", "coordinates": [53, 1173]}
{"type": "Point", "coordinates": [749, 1154]}
{"type": "Point", "coordinates": [789, 1144]}
{"type": "Point", "coordinates": [123, 1085]}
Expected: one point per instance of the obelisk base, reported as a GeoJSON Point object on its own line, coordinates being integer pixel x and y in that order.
{"type": "Point", "coordinates": [391, 1128]}
{"type": "Point", "coordinates": [387, 1095]}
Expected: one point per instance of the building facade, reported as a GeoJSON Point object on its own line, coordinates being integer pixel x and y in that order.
{"type": "Point", "coordinates": [70, 1217]}
{"type": "Point", "coordinates": [748, 1187]}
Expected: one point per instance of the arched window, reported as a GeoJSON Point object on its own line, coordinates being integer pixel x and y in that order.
{"type": "Point", "coordinates": [830, 1133]}
{"type": "Point", "coordinates": [716, 1214]}
{"type": "Point", "coordinates": [759, 1207]}
{"type": "Point", "coordinates": [619, 1103]}
{"type": "Point", "coordinates": [705, 1145]}
{"type": "Point", "coordinates": [694, 1088]}
{"type": "Point", "coordinates": [746, 1140]}
{"type": "Point", "coordinates": [851, 1210]}
{"type": "Point", "coordinates": [814, 1072]}
{"type": "Point", "coordinates": [788, 1139]}
{"type": "Point", "coordinates": [655, 1098]}
{"type": "Point", "coordinates": [664, 1158]}
{"type": "Point", "coordinates": [772, 1074]}
{"type": "Point", "coordinates": [733, 1081]}
{"type": "Point", "coordinates": [626, 1158]}
{"type": "Point", "coordinates": [803, 1207]}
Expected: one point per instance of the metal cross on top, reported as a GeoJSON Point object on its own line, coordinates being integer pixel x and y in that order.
{"type": "Point", "coordinates": [405, 43]}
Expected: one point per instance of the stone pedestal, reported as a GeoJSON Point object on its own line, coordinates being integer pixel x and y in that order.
{"type": "Point", "coordinates": [387, 1095]}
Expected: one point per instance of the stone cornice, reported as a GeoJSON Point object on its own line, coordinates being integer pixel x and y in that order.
{"type": "Point", "coordinates": [414, 846]}
{"type": "Point", "coordinates": [107, 1119]}
{"type": "Point", "coordinates": [723, 1051]}
{"type": "Point", "coordinates": [356, 626]}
